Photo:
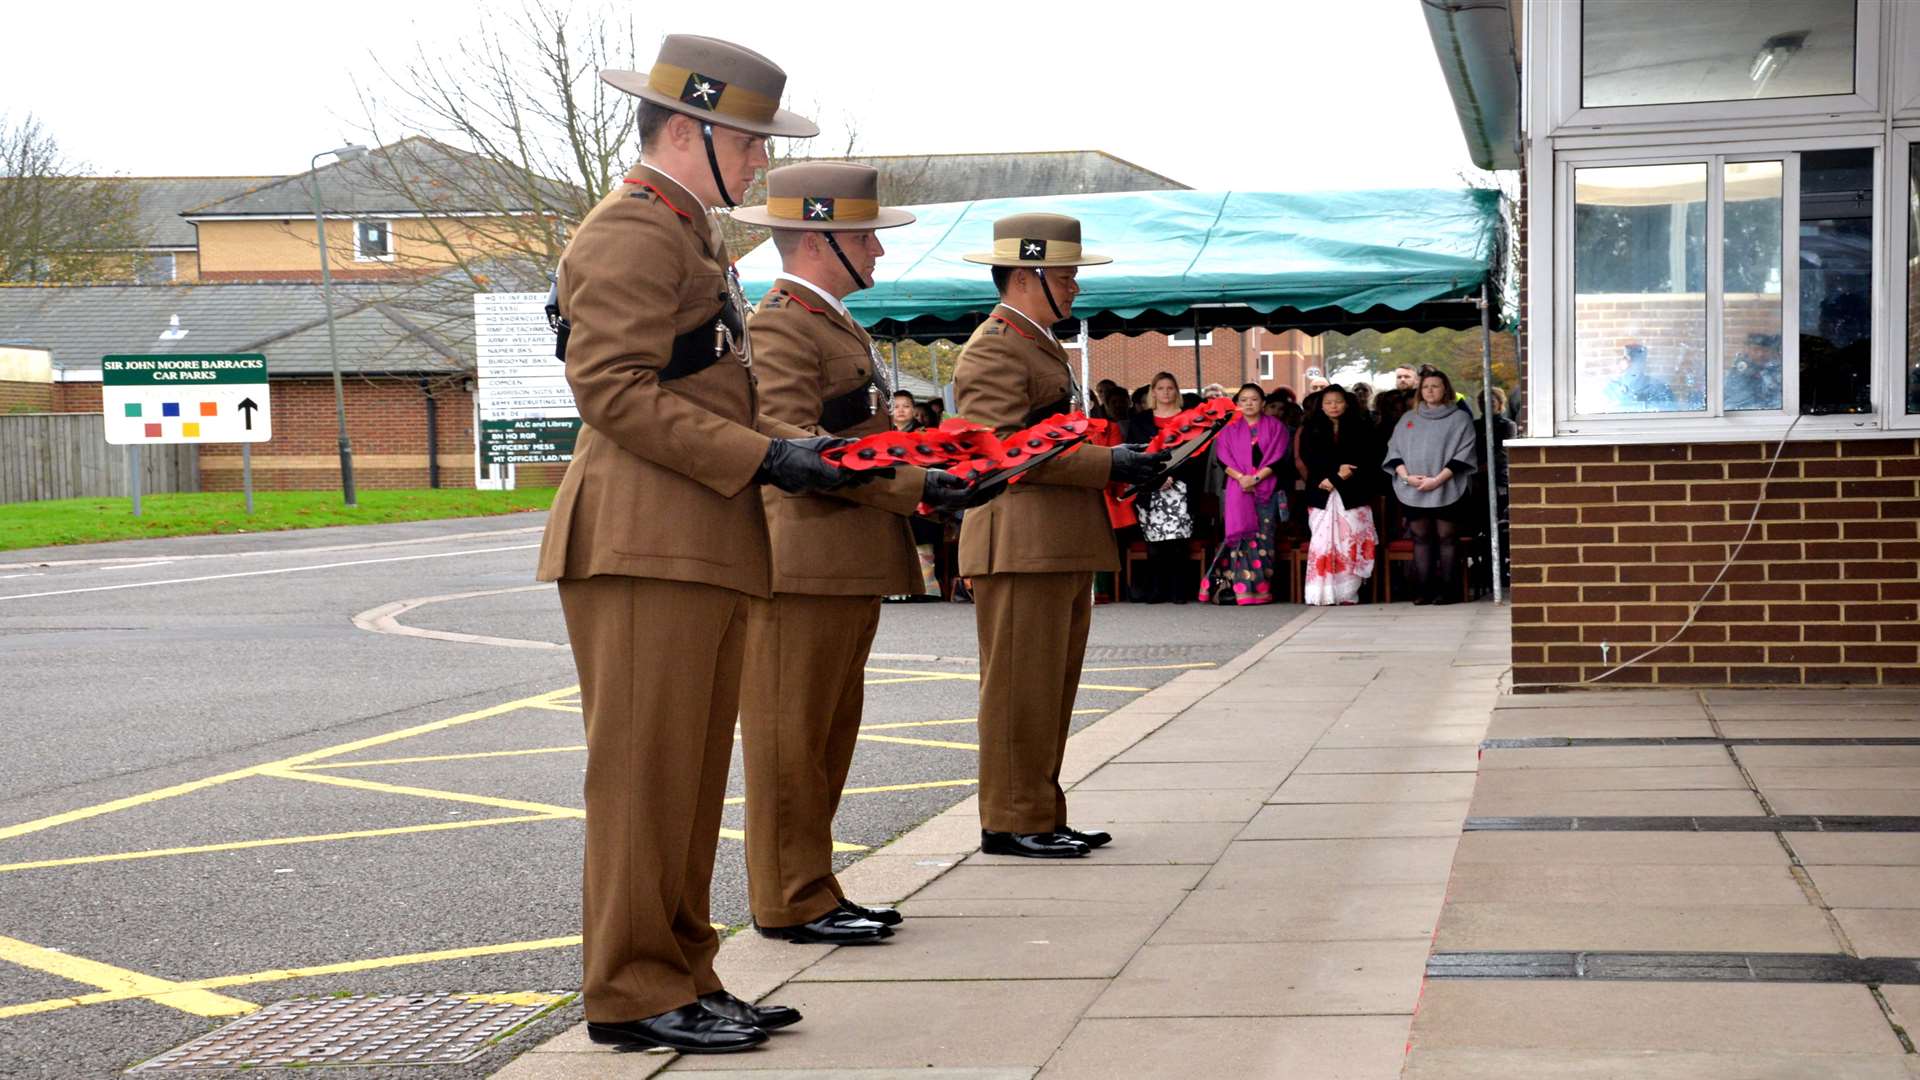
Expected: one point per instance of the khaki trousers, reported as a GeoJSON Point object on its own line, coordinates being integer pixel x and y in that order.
{"type": "Point", "coordinates": [800, 705]}
{"type": "Point", "coordinates": [659, 666]}
{"type": "Point", "coordinates": [1033, 638]}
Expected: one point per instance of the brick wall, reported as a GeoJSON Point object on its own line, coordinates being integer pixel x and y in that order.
{"type": "Point", "coordinates": [1614, 544]}
{"type": "Point", "coordinates": [76, 397]}
{"type": "Point", "coordinates": [25, 396]}
{"type": "Point", "coordinates": [386, 422]}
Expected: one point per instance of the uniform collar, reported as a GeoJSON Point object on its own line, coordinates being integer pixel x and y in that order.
{"type": "Point", "coordinates": [675, 181]}
{"type": "Point", "coordinates": [828, 298]}
{"type": "Point", "coordinates": [1024, 317]}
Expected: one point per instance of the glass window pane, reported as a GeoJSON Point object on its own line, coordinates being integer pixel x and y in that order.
{"type": "Point", "coordinates": [1751, 307]}
{"type": "Point", "coordinates": [1836, 281]}
{"type": "Point", "coordinates": [1634, 52]}
{"type": "Point", "coordinates": [1913, 280]}
{"type": "Point", "coordinates": [1639, 303]}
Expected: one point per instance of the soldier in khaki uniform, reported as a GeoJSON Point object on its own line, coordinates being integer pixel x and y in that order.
{"type": "Point", "coordinates": [658, 538]}
{"type": "Point", "coordinates": [834, 556]}
{"type": "Point", "coordinates": [1032, 553]}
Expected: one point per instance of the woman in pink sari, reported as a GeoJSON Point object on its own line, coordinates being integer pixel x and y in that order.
{"type": "Point", "coordinates": [1252, 449]}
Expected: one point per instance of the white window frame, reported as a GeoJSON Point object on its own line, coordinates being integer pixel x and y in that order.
{"type": "Point", "coordinates": [1173, 339]}
{"type": "Point", "coordinates": [1906, 77]}
{"type": "Point", "coordinates": [1557, 394]}
{"type": "Point", "coordinates": [392, 248]}
{"type": "Point", "coordinates": [1563, 20]}
{"type": "Point", "coordinates": [1267, 365]}
{"type": "Point", "coordinates": [1899, 155]}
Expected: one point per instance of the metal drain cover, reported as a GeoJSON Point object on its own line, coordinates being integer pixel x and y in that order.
{"type": "Point", "coordinates": [417, 1029]}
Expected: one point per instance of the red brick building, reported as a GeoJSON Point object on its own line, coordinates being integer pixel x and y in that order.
{"type": "Point", "coordinates": [1722, 266]}
{"type": "Point", "coordinates": [1228, 357]}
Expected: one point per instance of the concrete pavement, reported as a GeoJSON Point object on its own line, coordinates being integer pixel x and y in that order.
{"type": "Point", "coordinates": [1285, 825]}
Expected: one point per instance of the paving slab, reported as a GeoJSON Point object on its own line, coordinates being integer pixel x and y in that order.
{"type": "Point", "coordinates": [1722, 777]}
{"type": "Point", "coordinates": [1817, 711]}
{"type": "Point", "coordinates": [1538, 1014]}
{"type": "Point", "coordinates": [1818, 729]}
{"type": "Point", "coordinates": [1391, 759]}
{"type": "Point", "coordinates": [1881, 931]}
{"type": "Point", "coordinates": [1011, 948]}
{"type": "Point", "coordinates": [913, 1025]}
{"type": "Point", "coordinates": [1591, 724]}
{"type": "Point", "coordinates": [1857, 849]}
{"type": "Point", "coordinates": [1073, 887]}
{"type": "Point", "coordinates": [1343, 978]}
{"type": "Point", "coordinates": [1627, 884]}
{"type": "Point", "coordinates": [1140, 843]}
{"type": "Point", "coordinates": [1245, 742]}
{"type": "Point", "coordinates": [1882, 802]}
{"type": "Point", "coordinates": [1314, 912]}
{"type": "Point", "coordinates": [1320, 821]}
{"type": "Point", "coordinates": [1375, 788]}
{"type": "Point", "coordinates": [575, 1065]}
{"type": "Point", "coordinates": [1298, 864]}
{"type": "Point", "coordinates": [1118, 807]}
{"type": "Point", "coordinates": [1615, 803]}
{"type": "Point", "coordinates": [1616, 700]}
{"type": "Point", "coordinates": [1556, 707]}
{"type": "Point", "coordinates": [1611, 927]}
{"type": "Point", "coordinates": [1469, 1064]}
{"type": "Point", "coordinates": [1835, 698]}
{"type": "Point", "coordinates": [1354, 735]}
{"type": "Point", "coordinates": [1905, 1002]}
{"type": "Point", "coordinates": [1323, 1048]}
{"type": "Point", "coordinates": [712, 1071]}
{"type": "Point", "coordinates": [1603, 757]}
{"type": "Point", "coordinates": [1895, 778]}
{"type": "Point", "coordinates": [1828, 756]}
{"type": "Point", "coordinates": [1640, 848]}
{"type": "Point", "coordinates": [1868, 886]}
{"type": "Point", "coordinates": [1186, 776]}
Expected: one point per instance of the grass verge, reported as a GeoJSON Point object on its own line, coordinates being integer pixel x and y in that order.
{"type": "Point", "coordinates": [88, 521]}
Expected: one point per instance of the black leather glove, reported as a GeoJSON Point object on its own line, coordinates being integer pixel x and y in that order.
{"type": "Point", "coordinates": [1134, 465]}
{"type": "Point", "coordinates": [944, 491]}
{"type": "Point", "coordinates": [795, 465]}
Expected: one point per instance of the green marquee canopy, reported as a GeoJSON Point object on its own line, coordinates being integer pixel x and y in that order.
{"type": "Point", "coordinates": [1316, 261]}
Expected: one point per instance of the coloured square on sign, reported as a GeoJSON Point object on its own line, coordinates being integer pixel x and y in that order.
{"type": "Point", "coordinates": [191, 431]}
{"type": "Point", "coordinates": [209, 408]}
{"type": "Point", "coordinates": [171, 408]}
{"type": "Point", "coordinates": [133, 408]}
{"type": "Point", "coordinates": [153, 431]}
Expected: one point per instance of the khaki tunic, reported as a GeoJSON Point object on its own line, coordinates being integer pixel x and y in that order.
{"type": "Point", "coordinates": [1053, 519]}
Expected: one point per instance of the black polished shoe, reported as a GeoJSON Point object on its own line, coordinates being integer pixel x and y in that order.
{"type": "Point", "coordinates": [1094, 839]}
{"type": "Point", "coordinates": [885, 916]}
{"type": "Point", "coordinates": [1042, 845]}
{"type": "Point", "coordinates": [836, 927]}
{"type": "Point", "coordinates": [764, 1017]}
{"type": "Point", "coordinates": [690, 1029]}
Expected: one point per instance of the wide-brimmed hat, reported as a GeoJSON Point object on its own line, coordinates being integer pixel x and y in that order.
{"type": "Point", "coordinates": [715, 81]}
{"type": "Point", "coordinates": [1037, 241]}
{"type": "Point", "coordinates": [823, 196]}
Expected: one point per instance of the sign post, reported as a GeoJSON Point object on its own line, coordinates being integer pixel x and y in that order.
{"type": "Point", "coordinates": [211, 398]}
{"type": "Point", "coordinates": [527, 413]}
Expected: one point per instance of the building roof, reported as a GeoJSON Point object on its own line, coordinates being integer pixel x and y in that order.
{"type": "Point", "coordinates": [936, 178]}
{"type": "Point", "coordinates": [80, 324]}
{"type": "Point", "coordinates": [414, 175]}
{"type": "Point", "coordinates": [163, 198]}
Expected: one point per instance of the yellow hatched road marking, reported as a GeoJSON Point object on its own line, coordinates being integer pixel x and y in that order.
{"type": "Point", "coordinates": [930, 676]}
{"type": "Point", "coordinates": [962, 720]}
{"type": "Point", "coordinates": [446, 757]}
{"type": "Point", "coordinates": [242, 845]}
{"type": "Point", "coordinates": [187, 997]}
{"type": "Point", "coordinates": [547, 809]}
{"type": "Point", "coordinates": [551, 707]}
{"type": "Point", "coordinates": [909, 787]}
{"type": "Point", "coordinates": [283, 974]}
{"type": "Point", "coordinates": [942, 744]}
{"type": "Point", "coordinates": [142, 799]}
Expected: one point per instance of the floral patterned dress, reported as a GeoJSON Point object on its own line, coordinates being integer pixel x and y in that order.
{"type": "Point", "coordinates": [1243, 572]}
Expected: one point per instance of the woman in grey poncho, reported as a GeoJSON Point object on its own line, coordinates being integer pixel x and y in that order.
{"type": "Point", "coordinates": [1430, 453]}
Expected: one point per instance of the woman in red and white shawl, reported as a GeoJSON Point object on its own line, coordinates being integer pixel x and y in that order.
{"type": "Point", "coordinates": [1335, 441]}
{"type": "Point", "coordinates": [1252, 448]}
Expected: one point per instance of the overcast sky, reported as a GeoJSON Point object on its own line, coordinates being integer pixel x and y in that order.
{"type": "Point", "coordinates": [1272, 95]}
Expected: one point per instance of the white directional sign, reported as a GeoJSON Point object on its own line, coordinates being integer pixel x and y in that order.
{"type": "Point", "coordinates": [186, 399]}
{"type": "Point", "coordinates": [520, 378]}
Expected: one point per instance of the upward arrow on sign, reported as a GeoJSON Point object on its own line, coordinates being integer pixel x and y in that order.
{"type": "Point", "coordinates": [247, 405]}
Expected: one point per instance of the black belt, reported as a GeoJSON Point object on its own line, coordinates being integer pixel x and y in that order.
{"type": "Point", "coordinates": [693, 352]}
{"type": "Point", "coordinates": [1064, 405]}
{"type": "Point", "coordinates": [849, 409]}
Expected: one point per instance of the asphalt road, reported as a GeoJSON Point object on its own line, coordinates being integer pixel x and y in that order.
{"type": "Point", "coordinates": [214, 777]}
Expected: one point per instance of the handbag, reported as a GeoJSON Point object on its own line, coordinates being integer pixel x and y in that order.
{"type": "Point", "coordinates": [1166, 516]}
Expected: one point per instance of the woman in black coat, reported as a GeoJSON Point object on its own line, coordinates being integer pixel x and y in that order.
{"type": "Point", "coordinates": [1339, 451]}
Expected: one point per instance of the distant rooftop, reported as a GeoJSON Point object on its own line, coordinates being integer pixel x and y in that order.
{"type": "Point", "coordinates": [914, 179]}
{"type": "Point", "coordinates": [414, 175]}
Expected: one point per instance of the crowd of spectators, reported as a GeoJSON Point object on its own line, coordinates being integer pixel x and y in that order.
{"type": "Point", "coordinates": [1335, 476]}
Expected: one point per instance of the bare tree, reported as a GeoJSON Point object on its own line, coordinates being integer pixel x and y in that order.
{"type": "Point", "coordinates": [547, 138]}
{"type": "Point", "coordinates": [57, 224]}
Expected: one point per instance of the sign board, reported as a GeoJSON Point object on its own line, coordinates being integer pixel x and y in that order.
{"type": "Point", "coordinates": [186, 399]}
{"type": "Point", "coordinates": [528, 442]}
{"type": "Point", "coordinates": [527, 414]}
